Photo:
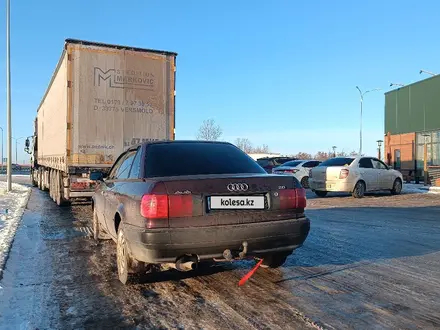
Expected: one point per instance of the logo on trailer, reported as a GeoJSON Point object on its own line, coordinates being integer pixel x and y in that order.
{"type": "Point", "coordinates": [128, 79]}
{"type": "Point", "coordinates": [235, 187]}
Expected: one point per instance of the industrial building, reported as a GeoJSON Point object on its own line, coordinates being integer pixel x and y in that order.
{"type": "Point", "coordinates": [412, 118]}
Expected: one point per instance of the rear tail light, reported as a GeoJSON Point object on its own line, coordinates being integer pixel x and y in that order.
{"type": "Point", "coordinates": [293, 198]}
{"type": "Point", "coordinates": [343, 174]}
{"type": "Point", "coordinates": [154, 206]}
{"type": "Point", "coordinates": [166, 206]}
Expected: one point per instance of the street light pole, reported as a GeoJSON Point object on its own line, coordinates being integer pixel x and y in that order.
{"type": "Point", "coordinates": [8, 95]}
{"type": "Point", "coordinates": [362, 101]}
{"type": "Point", "coordinates": [379, 149]}
{"type": "Point", "coordinates": [16, 148]}
{"type": "Point", "coordinates": [428, 72]}
{"type": "Point", "coordinates": [334, 151]}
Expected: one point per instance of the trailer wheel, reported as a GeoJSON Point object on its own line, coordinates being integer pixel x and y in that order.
{"type": "Point", "coordinates": [59, 197]}
{"type": "Point", "coordinates": [51, 190]}
{"type": "Point", "coordinates": [34, 183]}
{"type": "Point", "coordinates": [40, 179]}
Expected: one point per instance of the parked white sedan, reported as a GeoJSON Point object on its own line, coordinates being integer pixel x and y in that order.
{"type": "Point", "coordinates": [300, 169]}
{"type": "Point", "coordinates": [355, 175]}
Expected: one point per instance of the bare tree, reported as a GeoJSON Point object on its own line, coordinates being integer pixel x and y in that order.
{"type": "Point", "coordinates": [322, 155]}
{"type": "Point", "coordinates": [353, 153]}
{"type": "Point", "coordinates": [264, 149]}
{"type": "Point", "coordinates": [341, 154]}
{"type": "Point", "coordinates": [244, 144]}
{"type": "Point", "coordinates": [209, 131]}
{"type": "Point", "coordinates": [303, 155]}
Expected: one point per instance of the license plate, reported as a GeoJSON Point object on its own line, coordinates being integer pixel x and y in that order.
{"type": "Point", "coordinates": [236, 202]}
{"type": "Point", "coordinates": [329, 186]}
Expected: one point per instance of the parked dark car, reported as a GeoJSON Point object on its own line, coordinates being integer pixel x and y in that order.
{"type": "Point", "coordinates": [268, 163]}
{"type": "Point", "coordinates": [177, 203]}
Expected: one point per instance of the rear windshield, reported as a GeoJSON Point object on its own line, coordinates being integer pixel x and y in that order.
{"type": "Point", "coordinates": [177, 159]}
{"type": "Point", "coordinates": [264, 162]}
{"type": "Point", "coordinates": [338, 161]}
{"type": "Point", "coordinates": [293, 163]}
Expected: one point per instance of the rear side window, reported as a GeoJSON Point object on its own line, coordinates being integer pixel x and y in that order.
{"type": "Point", "coordinates": [177, 159]}
{"type": "Point", "coordinates": [365, 163]}
{"type": "Point", "coordinates": [338, 161]}
{"type": "Point", "coordinates": [136, 167]}
{"type": "Point", "coordinates": [124, 170]}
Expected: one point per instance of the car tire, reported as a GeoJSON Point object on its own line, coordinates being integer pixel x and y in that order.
{"type": "Point", "coordinates": [359, 190]}
{"type": "Point", "coordinates": [127, 267]}
{"type": "Point", "coordinates": [275, 260]}
{"type": "Point", "coordinates": [397, 187]}
{"type": "Point", "coordinates": [320, 193]}
{"type": "Point", "coordinates": [305, 182]}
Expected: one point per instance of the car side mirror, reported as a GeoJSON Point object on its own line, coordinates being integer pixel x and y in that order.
{"type": "Point", "coordinates": [97, 176]}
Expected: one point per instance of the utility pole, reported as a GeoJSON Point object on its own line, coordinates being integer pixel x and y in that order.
{"type": "Point", "coordinates": [8, 94]}
{"type": "Point", "coordinates": [362, 101]}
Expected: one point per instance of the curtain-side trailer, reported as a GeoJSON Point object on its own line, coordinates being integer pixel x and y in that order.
{"type": "Point", "coordinates": [101, 100]}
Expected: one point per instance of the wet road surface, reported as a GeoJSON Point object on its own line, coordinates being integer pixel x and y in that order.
{"type": "Point", "coordinates": [370, 263]}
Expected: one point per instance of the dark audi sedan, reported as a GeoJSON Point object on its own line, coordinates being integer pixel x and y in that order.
{"type": "Point", "coordinates": [175, 204]}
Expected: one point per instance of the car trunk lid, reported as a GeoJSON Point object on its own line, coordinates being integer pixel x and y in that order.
{"type": "Point", "coordinates": [234, 199]}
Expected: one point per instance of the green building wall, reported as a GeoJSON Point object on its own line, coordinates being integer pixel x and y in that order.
{"type": "Point", "coordinates": [413, 108]}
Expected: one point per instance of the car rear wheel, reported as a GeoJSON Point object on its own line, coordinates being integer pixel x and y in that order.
{"type": "Point", "coordinates": [128, 268]}
{"type": "Point", "coordinates": [305, 182]}
{"type": "Point", "coordinates": [359, 190]}
{"type": "Point", "coordinates": [274, 260]}
{"type": "Point", "coordinates": [397, 187]}
{"type": "Point", "coordinates": [320, 193]}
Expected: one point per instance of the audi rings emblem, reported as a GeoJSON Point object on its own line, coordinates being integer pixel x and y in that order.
{"type": "Point", "coordinates": [237, 187]}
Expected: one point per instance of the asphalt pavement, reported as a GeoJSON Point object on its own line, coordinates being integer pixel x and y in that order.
{"type": "Point", "coordinates": [372, 263]}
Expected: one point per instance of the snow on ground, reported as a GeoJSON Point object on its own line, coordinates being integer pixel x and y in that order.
{"type": "Point", "coordinates": [414, 188]}
{"type": "Point", "coordinates": [15, 203]}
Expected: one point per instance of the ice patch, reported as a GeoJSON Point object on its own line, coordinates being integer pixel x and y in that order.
{"type": "Point", "coordinates": [15, 202]}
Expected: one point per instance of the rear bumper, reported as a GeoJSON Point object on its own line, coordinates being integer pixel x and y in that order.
{"type": "Point", "coordinates": [81, 194]}
{"type": "Point", "coordinates": [166, 245]}
{"type": "Point", "coordinates": [336, 185]}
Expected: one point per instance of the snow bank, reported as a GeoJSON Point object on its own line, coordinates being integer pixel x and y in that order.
{"type": "Point", "coordinates": [15, 202]}
{"type": "Point", "coordinates": [414, 188]}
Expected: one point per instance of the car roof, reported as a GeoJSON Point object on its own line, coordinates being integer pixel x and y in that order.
{"type": "Point", "coordinates": [304, 161]}
{"type": "Point", "coordinates": [277, 157]}
{"type": "Point", "coordinates": [179, 141]}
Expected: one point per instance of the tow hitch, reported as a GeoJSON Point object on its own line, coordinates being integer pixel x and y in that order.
{"type": "Point", "coordinates": [240, 254]}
